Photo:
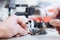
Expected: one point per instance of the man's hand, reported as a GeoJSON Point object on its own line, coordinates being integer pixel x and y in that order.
{"type": "Point", "coordinates": [12, 26]}
{"type": "Point", "coordinates": [56, 24]}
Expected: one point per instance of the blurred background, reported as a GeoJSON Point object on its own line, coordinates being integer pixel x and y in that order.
{"type": "Point", "coordinates": [40, 12]}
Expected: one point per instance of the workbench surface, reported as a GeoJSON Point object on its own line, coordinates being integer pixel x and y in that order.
{"type": "Point", "coordinates": [51, 35]}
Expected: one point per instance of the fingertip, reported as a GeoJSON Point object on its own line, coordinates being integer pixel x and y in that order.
{"type": "Point", "coordinates": [50, 21]}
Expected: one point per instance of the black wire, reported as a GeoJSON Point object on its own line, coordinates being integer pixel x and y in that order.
{"type": "Point", "coordinates": [9, 9]}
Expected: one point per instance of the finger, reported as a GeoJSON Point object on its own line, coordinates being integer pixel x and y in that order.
{"type": "Point", "coordinates": [55, 22]}
{"type": "Point", "coordinates": [17, 35]}
{"type": "Point", "coordinates": [22, 24]}
{"type": "Point", "coordinates": [22, 21]}
{"type": "Point", "coordinates": [22, 31]}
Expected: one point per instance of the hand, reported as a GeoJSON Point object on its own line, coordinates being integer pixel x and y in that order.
{"type": "Point", "coordinates": [56, 24]}
{"type": "Point", "coordinates": [12, 26]}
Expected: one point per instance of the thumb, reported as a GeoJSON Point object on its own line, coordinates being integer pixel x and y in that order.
{"type": "Point", "coordinates": [22, 24]}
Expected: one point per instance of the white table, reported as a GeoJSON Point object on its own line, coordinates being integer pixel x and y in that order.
{"type": "Point", "coordinates": [51, 35]}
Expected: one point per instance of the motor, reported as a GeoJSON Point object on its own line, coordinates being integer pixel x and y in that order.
{"type": "Point", "coordinates": [36, 28]}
